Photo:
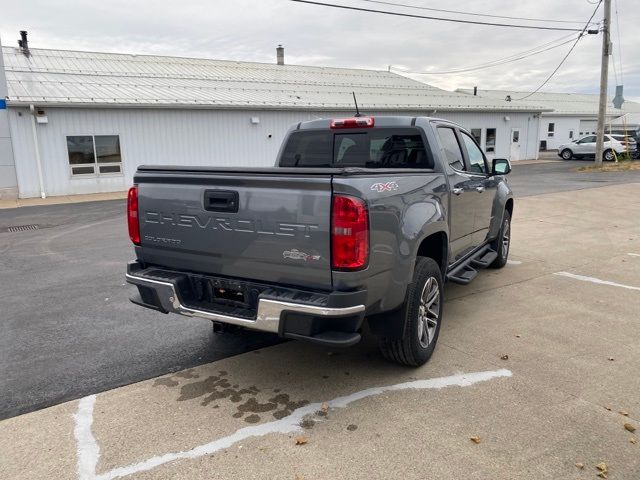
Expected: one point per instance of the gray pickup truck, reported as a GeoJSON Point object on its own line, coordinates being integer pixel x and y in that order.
{"type": "Point", "coordinates": [361, 218]}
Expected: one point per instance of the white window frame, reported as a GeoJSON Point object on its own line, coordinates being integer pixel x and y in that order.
{"type": "Point", "coordinates": [96, 166]}
{"type": "Point", "coordinates": [495, 141]}
{"type": "Point", "coordinates": [551, 133]}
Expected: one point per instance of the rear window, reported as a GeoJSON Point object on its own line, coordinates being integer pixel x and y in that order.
{"type": "Point", "coordinates": [376, 148]}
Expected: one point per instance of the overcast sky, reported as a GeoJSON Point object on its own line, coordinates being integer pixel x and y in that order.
{"type": "Point", "coordinates": [313, 35]}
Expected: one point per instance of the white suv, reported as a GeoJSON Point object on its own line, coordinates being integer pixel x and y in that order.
{"type": "Point", "coordinates": [586, 147]}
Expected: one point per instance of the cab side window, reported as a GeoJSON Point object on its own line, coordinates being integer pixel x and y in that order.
{"type": "Point", "coordinates": [451, 147]}
{"type": "Point", "coordinates": [476, 158]}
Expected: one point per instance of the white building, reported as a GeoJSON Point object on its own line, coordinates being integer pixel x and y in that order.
{"type": "Point", "coordinates": [82, 122]}
{"type": "Point", "coordinates": [573, 115]}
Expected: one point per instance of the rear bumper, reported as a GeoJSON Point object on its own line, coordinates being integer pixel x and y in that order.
{"type": "Point", "coordinates": [329, 319]}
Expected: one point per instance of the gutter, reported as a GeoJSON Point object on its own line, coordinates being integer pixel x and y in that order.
{"type": "Point", "coordinates": [285, 107]}
{"type": "Point", "coordinates": [36, 147]}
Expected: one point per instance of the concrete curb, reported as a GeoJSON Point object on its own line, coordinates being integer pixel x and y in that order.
{"type": "Point", "coordinates": [62, 199]}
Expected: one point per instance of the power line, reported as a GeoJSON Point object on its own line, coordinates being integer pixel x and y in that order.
{"type": "Point", "coordinates": [512, 58]}
{"type": "Point", "coordinates": [425, 17]}
{"type": "Point", "coordinates": [582, 33]}
{"type": "Point", "coordinates": [419, 7]}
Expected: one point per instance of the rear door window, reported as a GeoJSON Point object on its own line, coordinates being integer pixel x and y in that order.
{"type": "Point", "coordinates": [375, 148]}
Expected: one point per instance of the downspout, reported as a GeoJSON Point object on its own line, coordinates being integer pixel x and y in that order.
{"type": "Point", "coordinates": [537, 144]}
{"type": "Point", "coordinates": [36, 147]}
{"type": "Point", "coordinates": [526, 144]}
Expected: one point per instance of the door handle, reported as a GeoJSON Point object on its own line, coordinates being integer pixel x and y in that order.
{"type": "Point", "coordinates": [479, 189]}
{"type": "Point", "coordinates": [457, 191]}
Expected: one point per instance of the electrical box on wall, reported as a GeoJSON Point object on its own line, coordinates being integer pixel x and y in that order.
{"type": "Point", "coordinates": [255, 120]}
{"type": "Point", "coordinates": [41, 117]}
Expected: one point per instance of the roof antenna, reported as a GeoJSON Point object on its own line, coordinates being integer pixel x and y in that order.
{"type": "Point", "coordinates": [358, 114]}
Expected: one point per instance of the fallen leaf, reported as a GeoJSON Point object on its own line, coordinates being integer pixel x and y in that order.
{"type": "Point", "coordinates": [518, 335]}
{"type": "Point", "coordinates": [629, 427]}
{"type": "Point", "coordinates": [608, 408]}
{"type": "Point", "coordinates": [302, 440]}
{"type": "Point", "coordinates": [504, 357]}
{"type": "Point", "coordinates": [633, 440]}
{"type": "Point", "coordinates": [580, 465]}
{"type": "Point", "coordinates": [475, 439]}
{"type": "Point", "coordinates": [611, 359]}
{"type": "Point", "coordinates": [602, 467]}
{"type": "Point", "coordinates": [602, 475]}
{"type": "Point", "coordinates": [299, 477]}
{"type": "Point", "coordinates": [622, 412]}
{"type": "Point", "coordinates": [324, 407]}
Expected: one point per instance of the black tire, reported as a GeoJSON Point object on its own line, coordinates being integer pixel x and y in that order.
{"type": "Point", "coordinates": [608, 156]}
{"type": "Point", "coordinates": [416, 345]}
{"type": "Point", "coordinates": [500, 245]}
{"type": "Point", "coordinates": [566, 154]}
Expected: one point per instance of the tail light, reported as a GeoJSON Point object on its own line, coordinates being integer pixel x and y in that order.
{"type": "Point", "coordinates": [132, 215]}
{"type": "Point", "coordinates": [349, 233]}
{"type": "Point", "coordinates": [356, 122]}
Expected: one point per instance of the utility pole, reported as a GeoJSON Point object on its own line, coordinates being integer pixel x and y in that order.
{"type": "Point", "coordinates": [604, 75]}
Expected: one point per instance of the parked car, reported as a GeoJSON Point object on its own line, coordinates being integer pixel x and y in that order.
{"type": "Point", "coordinates": [586, 147]}
{"type": "Point", "coordinates": [361, 217]}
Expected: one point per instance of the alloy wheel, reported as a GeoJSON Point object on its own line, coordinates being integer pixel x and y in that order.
{"type": "Point", "coordinates": [428, 312]}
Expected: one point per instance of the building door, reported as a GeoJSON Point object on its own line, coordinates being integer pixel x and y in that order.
{"type": "Point", "coordinates": [515, 144]}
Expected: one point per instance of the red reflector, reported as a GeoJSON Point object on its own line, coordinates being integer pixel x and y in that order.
{"type": "Point", "coordinates": [132, 215]}
{"type": "Point", "coordinates": [349, 233]}
{"type": "Point", "coordinates": [356, 122]}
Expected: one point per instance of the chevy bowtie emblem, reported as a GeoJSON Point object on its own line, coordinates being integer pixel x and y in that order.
{"type": "Point", "coordinates": [384, 187]}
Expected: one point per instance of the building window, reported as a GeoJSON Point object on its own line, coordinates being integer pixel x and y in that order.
{"type": "Point", "coordinates": [491, 140]}
{"type": "Point", "coordinates": [551, 129]}
{"type": "Point", "coordinates": [94, 155]}
{"type": "Point", "coordinates": [476, 133]}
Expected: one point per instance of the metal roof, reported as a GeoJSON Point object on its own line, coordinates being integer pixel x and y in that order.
{"type": "Point", "coordinates": [560, 103]}
{"type": "Point", "coordinates": [74, 78]}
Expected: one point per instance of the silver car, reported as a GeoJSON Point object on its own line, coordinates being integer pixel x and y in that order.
{"type": "Point", "coordinates": [586, 147]}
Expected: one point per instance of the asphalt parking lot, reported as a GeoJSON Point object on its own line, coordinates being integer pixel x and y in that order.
{"type": "Point", "coordinates": [563, 314]}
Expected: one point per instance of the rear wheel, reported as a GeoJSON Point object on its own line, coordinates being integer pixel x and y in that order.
{"type": "Point", "coordinates": [566, 154]}
{"type": "Point", "coordinates": [608, 156]}
{"type": "Point", "coordinates": [502, 243]}
{"type": "Point", "coordinates": [422, 315]}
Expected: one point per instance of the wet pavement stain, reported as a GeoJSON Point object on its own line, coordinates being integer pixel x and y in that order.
{"type": "Point", "coordinates": [352, 427]}
{"type": "Point", "coordinates": [165, 382]}
{"type": "Point", "coordinates": [189, 374]}
{"type": "Point", "coordinates": [307, 423]}
{"type": "Point", "coordinates": [252, 418]}
{"type": "Point", "coordinates": [173, 380]}
{"type": "Point", "coordinates": [288, 406]}
{"type": "Point", "coordinates": [217, 387]}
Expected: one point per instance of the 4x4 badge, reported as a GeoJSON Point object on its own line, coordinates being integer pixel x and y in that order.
{"type": "Point", "coordinates": [384, 186]}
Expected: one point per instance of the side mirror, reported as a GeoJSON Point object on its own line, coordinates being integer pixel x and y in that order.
{"type": "Point", "coordinates": [501, 166]}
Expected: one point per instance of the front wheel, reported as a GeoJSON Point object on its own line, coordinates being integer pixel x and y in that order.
{"type": "Point", "coordinates": [566, 154]}
{"type": "Point", "coordinates": [422, 315]}
{"type": "Point", "coordinates": [503, 242]}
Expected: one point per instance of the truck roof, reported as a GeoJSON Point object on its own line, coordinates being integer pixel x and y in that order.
{"type": "Point", "coordinates": [381, 121]}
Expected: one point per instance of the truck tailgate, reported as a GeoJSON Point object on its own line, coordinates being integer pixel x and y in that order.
{"type": "Point", "coordinates": [266, 227]}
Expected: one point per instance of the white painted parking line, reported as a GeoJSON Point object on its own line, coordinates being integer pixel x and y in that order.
{"type": "Point", "coordinates": [514, 262]}
{"type": "Point", "coordinates": [596, 280]}
{"type": "Point", "coordinates": [89, 452]}
{"type": "Point", "coordinates": [634, 254]}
